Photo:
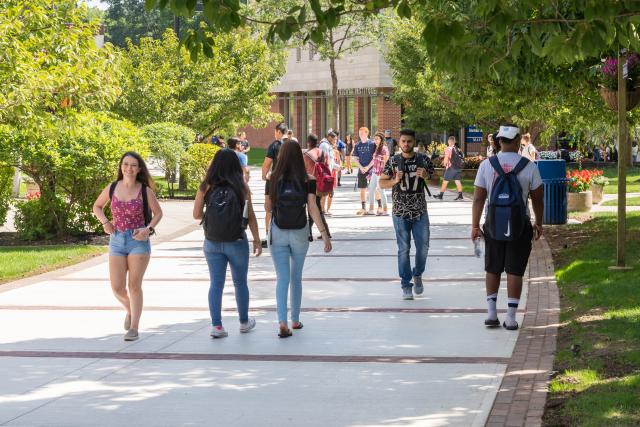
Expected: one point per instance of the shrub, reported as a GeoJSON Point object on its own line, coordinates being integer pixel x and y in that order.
{"type": "Point", "coordinates": [168, 143]}
{"type": "Point", "coordinates": [473, 162]}
{"type": "Point", "coordinates": [71, 158]}
{"type": "Point", "coordinates": [196, 162]}
{"type": "Point", "coordinates": [35, 220]}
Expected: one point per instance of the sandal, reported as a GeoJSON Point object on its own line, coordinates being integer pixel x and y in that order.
{"type": "Point", "coordinates": [297, 325]}
{"type": "Point", "coordinates": [285, 332]}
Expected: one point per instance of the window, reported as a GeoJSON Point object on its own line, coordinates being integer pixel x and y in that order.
{"type": "Point", "coordinates": [298, 54]}
{"type": "Point", "coordinates": [312, 51]}
{"type": "Point", "coordinates": [329, 119]}
{"type": "Point", "coordinates": [291, 120]}
{"type": "Point", "coordinates": [374, 113]}
{"type": "Point", "coordinates": [351, 119]}
{"type": "Point", "coordinates": [309, 117]}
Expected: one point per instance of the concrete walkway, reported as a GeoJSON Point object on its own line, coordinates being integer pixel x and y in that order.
{"type": "Point", "coordinates": [364, 358]}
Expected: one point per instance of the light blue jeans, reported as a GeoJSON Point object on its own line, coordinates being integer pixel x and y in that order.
{"type": "Point", "coordinates": [419, 228]}
{"type": "Point", "coordinates": [374, 185]}
{"type": "Point", "coordinates": [218, 255]}
{"type": "Point", "coordinates": [288, 252]}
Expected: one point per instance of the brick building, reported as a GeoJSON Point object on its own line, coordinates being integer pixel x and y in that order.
{"type": "Point", "coordinates": [303, 97]}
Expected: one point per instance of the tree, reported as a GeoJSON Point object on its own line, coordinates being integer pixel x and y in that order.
{"type": "Point", "coordinates": [218, 94]}
{"type": "Point", "coordinates": [71, 158]}
{"type": "Point", "coordinates": [50, 61]}
{"type": "Point", "coordinates": [128, 19]}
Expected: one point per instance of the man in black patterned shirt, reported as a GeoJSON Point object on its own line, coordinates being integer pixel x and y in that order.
{"type": "Point", "coordinates": [406, 173]}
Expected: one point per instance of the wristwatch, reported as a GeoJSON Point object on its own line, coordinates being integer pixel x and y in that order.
{"type": "Point", "coordinates": [152, 230]}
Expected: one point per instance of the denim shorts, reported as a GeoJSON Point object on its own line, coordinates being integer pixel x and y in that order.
{"type": "Point", "coordinates": [121, 243]}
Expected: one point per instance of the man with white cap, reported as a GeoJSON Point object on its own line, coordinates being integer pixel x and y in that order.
{"type": "Point", "coordinates": [506, 180]}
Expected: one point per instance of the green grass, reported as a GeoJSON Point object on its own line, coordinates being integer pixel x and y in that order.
{"type": "Point", "coordinates": [600, 381]}
{"type": "Point", "coordinates": [631, 201]}
{"type": "Point", "coordinates": [163, 191]}
{"type": "Point", "coordinates": [256, 156]}
{"type": "Point", "coordinates": [633, 180]}
{"type": "Point", "coordinates": [21, 261]}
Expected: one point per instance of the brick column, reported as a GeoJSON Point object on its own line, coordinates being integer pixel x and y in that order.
{"type": "Point", "coordinates": [389, 114]}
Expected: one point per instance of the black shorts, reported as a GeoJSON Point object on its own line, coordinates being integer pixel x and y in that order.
{"type": "Point", "coordinates": [362, 180]}
{"type": "Point", "coordinates": [510, 257]}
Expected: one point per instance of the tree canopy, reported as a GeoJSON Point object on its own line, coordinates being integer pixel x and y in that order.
{"type": "Point", "coordinates": [218, 94]}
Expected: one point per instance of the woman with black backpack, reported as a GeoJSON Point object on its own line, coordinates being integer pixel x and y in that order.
{"type": "Point", "coordinates": [227, 200]}
{"type": "Point", "coordinates": [135, 212]}
{"type": "Point", "coordinates": [291, 196]}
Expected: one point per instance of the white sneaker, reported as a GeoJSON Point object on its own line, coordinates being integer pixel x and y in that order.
{"type": "Point", "coordinates": [131, 335]}
{"type": "Point", "coordinates": [246, 327]}
{"type": "Point", "coordinates": [218, 332]}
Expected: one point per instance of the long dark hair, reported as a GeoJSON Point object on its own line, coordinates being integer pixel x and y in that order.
{"type": "Point", "coordinates": [290, 167]}
{"type": "Point", "coordinates": [225, 169]}
{"type": "Point", "coordinates": [348, 139]}
{"type": "Point", "coordinates": [379, 146]}
{"type": "Point", "coordinates": [143, 175]}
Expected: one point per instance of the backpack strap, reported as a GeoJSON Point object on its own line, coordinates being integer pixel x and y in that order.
{"type": "Point", "coordinates": [306, 153]}
{"type": "Point", "coordinates": [520, 166]}
{"type": "Point", "coordinates": [496, 165]}
{"type": "Point", "coordinates": [112, 189]}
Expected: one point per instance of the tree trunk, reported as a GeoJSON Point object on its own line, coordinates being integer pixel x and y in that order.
{"type": "Point", "coordinates": [334, 93]}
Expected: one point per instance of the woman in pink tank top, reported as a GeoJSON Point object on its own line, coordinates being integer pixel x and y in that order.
{"type": "Point", "coordinates": [129, 231]}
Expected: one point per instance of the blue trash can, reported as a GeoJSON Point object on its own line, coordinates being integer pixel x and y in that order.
{"type": "Point", "coordinates": [553, 174]}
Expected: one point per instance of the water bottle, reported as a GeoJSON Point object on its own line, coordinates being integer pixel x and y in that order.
{"type": "Point", "coordinates": [245, 215]}
{"type": "Point", "coordinates": [478, 247]}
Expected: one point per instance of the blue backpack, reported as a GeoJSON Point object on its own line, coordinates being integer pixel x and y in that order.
{"type": "Point", "coordinates": [507, 213]}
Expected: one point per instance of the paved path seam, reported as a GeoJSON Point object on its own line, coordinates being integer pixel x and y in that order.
{"type": "Point", "coordinates": [254, 357]}
{"type": "Point", "coordinates": [269, 309]}
{"type": "Point", "coordinates": [522, 395]}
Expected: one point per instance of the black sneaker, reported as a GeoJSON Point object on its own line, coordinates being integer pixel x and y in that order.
{"type": "Point", "coordinates": [264, 244]}
{"type": "Point", "coordinates": [492, 323]}
{"type": "Point", "coordinates": [459, 197]}
{"type": "Point", "coordinates": [438, 196]}
{"type": "Point", "coordinates": [513, 327]}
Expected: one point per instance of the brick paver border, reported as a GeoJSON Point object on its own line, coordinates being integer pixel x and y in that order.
{"type": "Point", "coordinates": [523, 393]}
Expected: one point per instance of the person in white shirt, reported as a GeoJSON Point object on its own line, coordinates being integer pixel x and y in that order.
{"type": "Point", "coordinates": [527, 149]}
{"type": "Point", "coordinates": [634, 151]}
{"type": "Point", "coordinates": [511, 257]}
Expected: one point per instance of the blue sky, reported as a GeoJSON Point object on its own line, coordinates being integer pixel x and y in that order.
{"type": "Point", "coordinates": [97, 3]}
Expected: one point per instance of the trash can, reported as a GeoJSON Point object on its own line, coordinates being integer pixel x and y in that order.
{"type": "Point", "coordinates": [553, 174]}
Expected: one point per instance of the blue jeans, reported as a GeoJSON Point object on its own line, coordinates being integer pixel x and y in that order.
{"type": "Point", "coordinates": [288, 252]}
{"type": "Point", "coordinates": [404, 229]}
{"type": "Point", "coordinates": [218, 254]}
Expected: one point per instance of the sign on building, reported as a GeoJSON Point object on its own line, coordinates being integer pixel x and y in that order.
{"type": "Point", "coordinates": [472, 134]}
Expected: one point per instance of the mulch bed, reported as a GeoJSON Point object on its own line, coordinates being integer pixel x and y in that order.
{"type": "Point", "coordinates": [11, 239]}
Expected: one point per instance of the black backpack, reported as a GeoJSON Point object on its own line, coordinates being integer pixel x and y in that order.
{"type": "Point", "coordinates": [422, 161]}
{"type": "Point", "coordinates": [145, 202]}
{"type": "Point", "coordinates": [290, 211]}
{"type": "Point", "coordinates": [457, 158]}
{"type": "Point", "coordinates": [222, 220]}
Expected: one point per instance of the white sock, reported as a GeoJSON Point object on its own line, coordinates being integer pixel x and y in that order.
{"type": "Point", "coordinates": [491, 306]}
{"type": "Point", "coordinates": [511, 310]}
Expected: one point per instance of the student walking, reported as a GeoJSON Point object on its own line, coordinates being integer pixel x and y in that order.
{"type": "Point", "coordinates": [291, 198]}
{"type": "Point", "coordinates": [341, 150]}
{"type": "Point", "coordinates": [235, 144]}
{"type": "Point", "coordinates": [223, 203]}
{"type": "Point", "coordinates": [268, 165]}
{"type": "Point", "coordinates": [506, 180]}
{"type": "Point", "coordinates": [406, 173]}
{"type": "Point", "coordinates": [380, 157]}
{"type": "Point", "coordinates": [363, 156]}
{"type": "Point", "coordinates": [348, 142]}
{"type": "Point", "coordinates": [317, 165]}
{"type": "Point", "coordinates": [453, 163]}
{"type": "Point", "coordinates": [527, 149]}
{"type": "Point", "coordinates": [135, 214]}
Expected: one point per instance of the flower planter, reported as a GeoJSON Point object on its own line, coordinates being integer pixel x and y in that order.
{"type": "Point", "coordinates": [580, 202]}
{"type": "Point", "coordinates": [610, 98]}
{"type": "Point", "coordinates": [597, 191]}
{"type": "Point", "coordinates": [32, 188]}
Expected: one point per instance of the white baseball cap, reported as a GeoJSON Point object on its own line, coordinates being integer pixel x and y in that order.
{"type": "Point", "coordinates": [508, 131]}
